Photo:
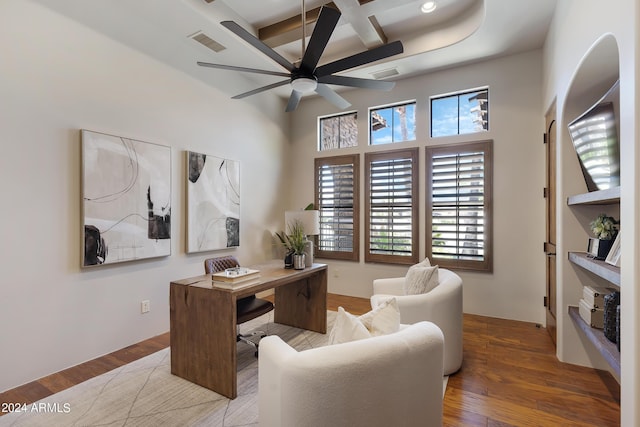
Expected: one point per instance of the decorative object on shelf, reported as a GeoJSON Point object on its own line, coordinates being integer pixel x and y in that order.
{"type": "Point", "coordinates": [592, 247]}
{"type": "Point", "coordinates": [613, 257]}
{"type": "Point", "coordinates": [310, 220]}
{"type": "Point", "coordinates": [611, 303]}
{"type": "Point", "coordinates": [599, 141]}
{"type": "Point", "coordinates": [213, 202]}
{"type": "Point", "coordinates": [594, 296]}
{"type": "Point", "coordinates": [126, 199]}
{"type": "Point", "coordinates": [594, 317]}
{"type": "Point", "coordinates": [618, 327]}
{"type": "Point", "coordinates": [604, 228]}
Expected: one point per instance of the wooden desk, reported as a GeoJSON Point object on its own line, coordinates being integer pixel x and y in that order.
{"type": "Point", "coordinates": [203, 320]}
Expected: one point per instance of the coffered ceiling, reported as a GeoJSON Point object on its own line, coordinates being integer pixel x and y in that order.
{"type": "Point", "coordinates": [173, 32]}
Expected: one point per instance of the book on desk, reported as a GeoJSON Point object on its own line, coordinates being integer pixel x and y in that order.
{"type": "Point", "coordinates": [233, 278]}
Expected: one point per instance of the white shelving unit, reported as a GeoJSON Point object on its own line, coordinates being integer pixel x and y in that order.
{"type": "Point", "coordinates": [601, 269]}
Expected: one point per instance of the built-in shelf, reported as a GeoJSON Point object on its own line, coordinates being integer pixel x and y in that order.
{"type": "Point", "coordinates": [608, 349]}
{"type": "Point", "coordinates": [600, 197]}
{"type": "Point", "coordinates": [608, 272]}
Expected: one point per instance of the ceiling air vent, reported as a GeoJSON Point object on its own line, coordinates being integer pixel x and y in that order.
{"type": "Point", "coordinates": [385, 73]}
{"type": "Point", "coordinates": [207, 42]}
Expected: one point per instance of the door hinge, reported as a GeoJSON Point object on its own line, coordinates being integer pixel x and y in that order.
{"type": "Point", "coordinates": [545, 301]}
{"type": "Point", "coordinates": [544, 138]}
{"type": "Point", "coordinates": [545, 192]}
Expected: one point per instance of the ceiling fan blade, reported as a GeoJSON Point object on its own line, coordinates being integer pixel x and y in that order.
{"type": "Point", "coordinates": [261, 89]}
{"type": "Point", "coordinates": [246, 70]}
{"type": "Point", "coordinates": [361, 58]}
{"type": "Point", "coordinates": [331, 96]}
{"type": "Point", "coordinates": [356, 82]}
{"type": "Point", "coordinates": [255, 42]}
{"type": "Point", "coordinates": [294, 100]}
{"type": "Point", "coordinates": [325, 25]}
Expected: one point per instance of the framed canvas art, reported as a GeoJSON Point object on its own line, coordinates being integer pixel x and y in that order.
{"type": "Point", "coordinates": [213, 202]}
{"type": "Point", "coordinates": [126, 199]}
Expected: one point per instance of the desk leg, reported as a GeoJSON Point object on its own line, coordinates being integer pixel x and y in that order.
{"type": "Point", "coordinates": [203, 338]}
{"type": "Point", "coordinates": [303, 304]}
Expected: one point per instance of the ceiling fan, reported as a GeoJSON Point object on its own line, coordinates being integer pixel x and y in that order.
{"type": "Point", "coordinates": [307, 76]}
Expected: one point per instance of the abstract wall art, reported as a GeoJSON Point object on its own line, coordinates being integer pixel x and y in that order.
{"type": "Point", "coordinates": [213, 202]}
{"type": "Point", "coordinates": [126, 199]}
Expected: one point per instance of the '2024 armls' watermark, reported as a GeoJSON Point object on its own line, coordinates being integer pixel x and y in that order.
{"type": "Point", "coordinates": [38, 407]}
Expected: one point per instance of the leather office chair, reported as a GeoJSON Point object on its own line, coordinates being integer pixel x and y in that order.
{"type": "Point", "coordinates": [247, 308]}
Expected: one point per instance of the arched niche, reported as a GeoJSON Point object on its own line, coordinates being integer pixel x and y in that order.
{"type": "Point", "coordinates": [595, 75]}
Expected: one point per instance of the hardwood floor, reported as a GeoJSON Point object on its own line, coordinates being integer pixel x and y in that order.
{"type": "Point", "coordinates": [509, 377]}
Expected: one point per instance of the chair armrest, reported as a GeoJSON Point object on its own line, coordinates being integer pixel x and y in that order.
{"type": "Point", "coordinates": [390, 286]}
{"type": "Point", "coordinates": [442, 306]}
{"type": "Point", "coordinates": [273, 352]}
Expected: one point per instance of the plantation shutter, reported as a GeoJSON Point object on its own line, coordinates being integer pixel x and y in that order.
{"type": "Point", "coordinates": [336, 186]}
{"type": "Point", "coordinates": [392, 206]}
{"type": "Point", "coordinates": [459, 198]}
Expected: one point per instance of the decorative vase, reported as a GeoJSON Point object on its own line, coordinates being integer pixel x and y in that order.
{"type": "Point", "coordinates": [308, 253]}
{"type": "Point", "coordinates": [298, 261]}
{"type": "Point", "coordinates": [288, 260]}
{"type": "Point", "coordinates": [604, 246]}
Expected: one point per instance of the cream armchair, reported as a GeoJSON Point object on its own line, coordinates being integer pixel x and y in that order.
{"type": "Point", "coordinates": [379, 381]}
{"type": "Point", "coordinates": [442, 306]}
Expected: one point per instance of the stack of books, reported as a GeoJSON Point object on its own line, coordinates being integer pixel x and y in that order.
{"type": "Point", "coordinates": [233, 278]}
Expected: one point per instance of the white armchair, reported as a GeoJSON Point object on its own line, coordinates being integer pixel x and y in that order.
{"type": "Point", "coordinates": [442, 306]}
{"type": "Point", "coordinates": [379, 381]}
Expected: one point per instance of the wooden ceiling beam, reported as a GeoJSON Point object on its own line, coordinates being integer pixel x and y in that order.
{"type": "Point", "coordinates": [289, 29]}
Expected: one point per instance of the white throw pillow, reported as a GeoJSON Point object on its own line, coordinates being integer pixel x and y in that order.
{"type": "Point", "coordinates": [382, 320]}
{"type": "Point", "coordinates": [347, 327]}
{"type": "Point", "coordinates": [424, 263]}
{"type": "Point", "coordinates": [420, 279]}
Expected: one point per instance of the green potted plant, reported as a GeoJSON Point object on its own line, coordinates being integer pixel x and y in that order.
{"type": "Point", "coordinates": [294, 243]}
{"type": "Point", "coordinates": [298, 241]}
{"type": "Point", "coordinates": [604, 228]}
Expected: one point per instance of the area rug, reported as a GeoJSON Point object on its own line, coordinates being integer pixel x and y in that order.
{"type": "Point", "coordinates": [144, 393]}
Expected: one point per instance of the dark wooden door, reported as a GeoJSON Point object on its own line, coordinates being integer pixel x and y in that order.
{"type": "Point", "coordinates": [550, 242]}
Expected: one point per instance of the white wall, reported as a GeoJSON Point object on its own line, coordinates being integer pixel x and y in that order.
{"type": "Point", "coordinates": [57, 77]}
{"type": "Point", "coordinates": [578, 28]}
{"type": "Point", "coordinates": [516, 288]}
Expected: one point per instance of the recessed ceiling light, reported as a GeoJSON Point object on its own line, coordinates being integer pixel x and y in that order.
{"type": "Point", "coordinates": [428, 7]}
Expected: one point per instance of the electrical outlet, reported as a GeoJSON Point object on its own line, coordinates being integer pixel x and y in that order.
{"type": "Point", "coordinates": [145, 306]}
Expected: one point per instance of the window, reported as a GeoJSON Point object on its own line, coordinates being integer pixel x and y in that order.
{"type": "Point", "coordinates": [391, 124]}
{"type": "Point", "coordinates": [336, 197]}
{"type": "Point", "coordinates": [338, 131]}
{"type": "Point", "coordinates": [460, 113]}
{"type": "Point", "coordinates": [391, 197]}
{"type": "Point", "coordinates": [459, 198]}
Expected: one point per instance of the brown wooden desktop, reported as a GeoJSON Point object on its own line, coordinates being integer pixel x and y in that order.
{"type": "Point", "coordinates": [203, 319]}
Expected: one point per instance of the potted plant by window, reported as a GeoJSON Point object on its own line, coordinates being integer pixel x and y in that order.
{"type": "Point", "coordinates": [294, 243]}
{"type": "Point", "coordinates": [604, 228]}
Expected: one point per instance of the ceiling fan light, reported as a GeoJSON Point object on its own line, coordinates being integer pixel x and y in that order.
{"type": "Point", "coordinates": [428, 7]}
{"type": "Point", "coordinates": [304, 84]}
